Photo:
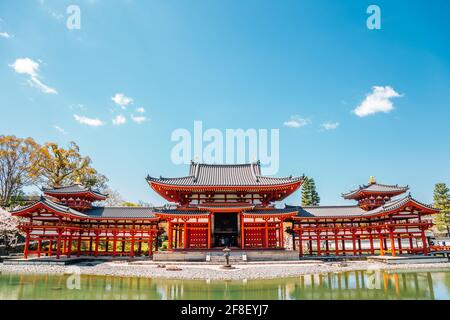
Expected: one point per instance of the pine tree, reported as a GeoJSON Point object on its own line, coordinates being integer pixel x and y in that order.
{"type": "Point", "coordinates": [442, 202]}
{"type": "Point", "coordinates": [310, 197]}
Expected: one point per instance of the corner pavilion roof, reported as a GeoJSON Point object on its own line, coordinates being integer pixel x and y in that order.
{"type": "Point", "coordinates": [375, 188]}
{"type": "Point", "coordinates": [356, 211]}
{"type": "Point", "coordinates": [225, 175]}
{"type": "Point", "coordinates": [73, 189]}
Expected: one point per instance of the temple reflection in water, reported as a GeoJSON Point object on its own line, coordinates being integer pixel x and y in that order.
{"type": "Point", "coordinates": [346, 285]}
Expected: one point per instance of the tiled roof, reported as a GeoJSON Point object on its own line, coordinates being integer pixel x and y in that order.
{"type": "Point", "coordinates": [287, 209]}
{"type": "Point", "coordinates": [52, 205]}
{"type": "Point", "coordinates": [181, 212]}
{"type": "Point", "coordinates": [330, 211]}
{"type": "Point", "coordinates": [376, 188]}
{"type": "Point", "coordinates": [121, 212]}
{"type": "Point", "coordinates": [74, 188]}
{"type": "Point", "coordinates": [225, 175]}
{"type": "Point", "coordinates": [355, 211]}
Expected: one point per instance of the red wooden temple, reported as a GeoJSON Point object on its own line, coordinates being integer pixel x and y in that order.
{"type": "Point", "coordinates": [215, 206]}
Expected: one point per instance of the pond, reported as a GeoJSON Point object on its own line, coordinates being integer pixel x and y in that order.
{"type": "Point", "coordinates": [346, 285]}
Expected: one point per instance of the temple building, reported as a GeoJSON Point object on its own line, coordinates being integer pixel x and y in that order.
{"type": "Point", "coordinates": [217, 206]}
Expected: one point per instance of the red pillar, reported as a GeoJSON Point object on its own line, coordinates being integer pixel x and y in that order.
{"type": "Point", "coordinates": [411, 245]}
{"type": "Point", "coordinates": [185, 235]}
{"type": "Point", "coordinates": [300, 244]}
{"type": "Point", "coordinates": [97, 239]}
{"type": "Point", "coordinates": [209, 232]}
{"type": "Point", "coordinates": [50, 243]}
{"type": "Point", "coordinates": [242, 232]}
{"type": "Point", "coordinates": [318, 243]}
{"type": "Point", "coordinates": [371, 242]}
{"type": "Point", "coordinates": [354, 242]}
{"type": "Point", "coordinates": [39, 247]}
{"type": "Point", "coordinates": [424, 242]}
{"type": "Point", "coordinates": [282, 234]}
{"type": "Point", "coordinates": [79, 245]}
{"type": "Point", "coordinates": [132, 244]}
{"type": "Point", "coordinates": [266, 237]}
{"type": "Point", "coordinates": [69, 249]}
{"type": "Point", "coordinates": [336, 242]}
{"type": "Point", "coordinates": [58, 244]}
{"type": "Point", "coordinates": [399, 242]}
{"type": "Point", "coordinates": [170, 235]}
{"type": "Point", "coordinates": [27, 244]}
{"type": "Point", "coordinates": [381, 244]}
{"type": "Point", "coordinates": [391, 236]}
{"type": "Point", "coordinates": [114, 243]}
{"type": "Point", "coordinates": [150, 244]}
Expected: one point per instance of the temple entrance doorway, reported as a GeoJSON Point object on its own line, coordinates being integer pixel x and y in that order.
{"type": "Point", "coordinates": [226, 230]}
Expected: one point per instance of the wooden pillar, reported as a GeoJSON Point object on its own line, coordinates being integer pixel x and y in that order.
{"type": "Point", "coordinates": [242, 232]}
{"type": "Point", "coordinates": [282, 233]}
{"type": "Point", "coordinates": [411, 245]}
{"type": "Point", "coordinates": [343, 244]}
{"type": "Point", "coordinates": [371, 242]}
{"type": "Point", "coordinates": [27, 244]}
{"type": "Point", "coordinates": [424, 241]}
{"type": "Point", "coordinates": [381, 244]}
{"type": "Point", "coordinates": [209, 232]}
{"type": "Point", "coordinates": [336, 241]}
{"type": "Point", "coordinates": [132, 244]}
{"type": "Point", "coordinates": [150, 244]}
{"type": "Point", "coordinates": [69, 247]}
{"type": "Point", "coordinates": [114, 243]}
{"type": "Point", "coordinates": [58, 244]}
{"type": "Point", "coordinates": [300, 244]}
{"type": "Point", "coordinates": [140, 246]}
{"type": "Point", "coordinates": [318, 243]}
{"type": "Point", "coordinates": [90, 245]}
{"type": "Point", "coordinates": [169, 235]}
{"type": "Point", "coordinates": [64, 251]}
{"type": "Point", "coordinates": [327, 246]}
{"type": "Point", "coordinates": [50, 243]}
{"type": "Point", "coordinates": [97, 239]}
{"type": "Point", "coordinates": [79, 245]}
{"type": "Point", "coordinates": [185, 235]}
{"type": "Point", "coordinates": [399, 243]}
{"type": "Point", "coordinates": [266, 238]}
{"type": "Point", "coordinates": [354, 242]}
{"type": "Point", "coordinates": [39, 247]}
{"type": "Point", "coordinates": [391, 237]}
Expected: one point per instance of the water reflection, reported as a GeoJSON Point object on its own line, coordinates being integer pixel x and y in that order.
{"type": "Point", "coordinates": [347, 285]}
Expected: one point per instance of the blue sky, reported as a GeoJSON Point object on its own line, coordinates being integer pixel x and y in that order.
{"type": "Point", "coordinates": [235, 64]}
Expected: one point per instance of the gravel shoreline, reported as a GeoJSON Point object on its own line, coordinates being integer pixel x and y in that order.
{"type": "Point", "coordinates": [215, 272]}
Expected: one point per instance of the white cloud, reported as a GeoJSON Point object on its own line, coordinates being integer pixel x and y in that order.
{"type": "Point", "coordinates": [31, 68]}
{"type": "Point", "coordinates": [296, 122]}
{"type": "Point", "coordinates": [60, 129]}
{"type": "Point", "coordinates": [122, 100]}
{"type": "Point", "coordinates": [138, 119]}
{"type": "Point", "coordinates": [118, 120]}
{"type": "Point", "coordinates": [88, 121]}
{"type": "Point", "coordinates": [330, 125]}
{"type": "Point", "coordinates": [140, 110]}
{"type": "Point", "coordinates": [379, 100]}
{"type": "Point", "coordinates": [6, 35]}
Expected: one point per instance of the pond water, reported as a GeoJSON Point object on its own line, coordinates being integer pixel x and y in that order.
{"type": "Point", "coordinates": [346, 285]}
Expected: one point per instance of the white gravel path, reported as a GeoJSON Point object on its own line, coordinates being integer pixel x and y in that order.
{"type": "Point", "coordinates": [215, 272]}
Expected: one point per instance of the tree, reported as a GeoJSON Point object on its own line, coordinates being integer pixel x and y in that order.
{"type": "Point", "coordinates": [442, 202]}
{"type": "Point", "coordinates": [114, 198]}
{"type": "Point", "coordinates": [59, 166]}
{"type": "Point", "coordinates": [17, 166]}
{"type": "Point", "coordinates": [310, 197]}
{"type": "Point", "coordinates": [9, 229]}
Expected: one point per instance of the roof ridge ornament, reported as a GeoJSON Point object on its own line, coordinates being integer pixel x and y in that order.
{"type": "Point", "coordinates": [372, 180]}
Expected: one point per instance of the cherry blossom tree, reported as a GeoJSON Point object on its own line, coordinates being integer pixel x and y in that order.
{"type": "Point", "coordinates": [9, 229]}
